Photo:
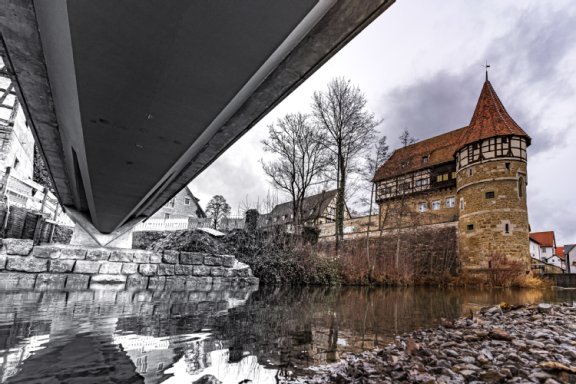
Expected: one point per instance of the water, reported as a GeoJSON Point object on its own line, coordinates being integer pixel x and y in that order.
{"type": "Point", "coordinates": [179, 337]}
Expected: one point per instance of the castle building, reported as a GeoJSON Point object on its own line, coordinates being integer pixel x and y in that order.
{"type": "Point", "coordinates": [473, 178]}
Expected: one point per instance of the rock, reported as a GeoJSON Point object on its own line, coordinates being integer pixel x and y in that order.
{"type": "Point", "coordinates": [165, 269]}
{"type": "Point", "coordinates": [77, 281]}
{"type": "Point", "coordinates": [411, 347]}
{"type": "Point", "coordinates": [18, 246]}
{"type": "Point", "coordinates": [85, 266]}
{"type": "Point", "coordinates": [500, 334]}
{"type": "Point", "coordinates": [136, 281]}
{"type": "Point", "coordinates": [544, 308]}
{"type": "Point", "coordinates": [46, 252]}
{"type": "Point", "coordinates": [111, 268]}
{"type": "Point", "coordinates": [212, 260]}
{"type": "Point", "coordinates": [142, 256]}
{"type": "Point", "coordinates": [228, 261]}
{"type": "Point", "coordinates": [191, 258]}
{"type": "Point", "coordinates": [97, 254]}
{"type": "Point", "coordinates": [3, 262]}
{"type": "Point", "coordinates": [170, 257]}
{"type": "Point", "coordinates": [26, 264]}
{"type": "Point", "coordinates": [180, 269]}
{"type": "Point", "coordinates": [108, 279]}
{"type": "Point", "coordinates": [201, 270]}
{"type": "Point", "coordinates": [492, 376]}
{"type": "Point", "coordinates": [155, 258]}
{"type": "Point", "coordinates": [72, 253]}
{"type": "Point", "coordinates": [122, 255]}
{"type": "Point", "coordinates": [61, 265]}
{"type": "Point", "coordinates": [148, 269]}
{"type": "Point", "coordinates": [129, 268]}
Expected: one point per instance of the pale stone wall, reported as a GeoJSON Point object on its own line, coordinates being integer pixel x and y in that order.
{"type": "Point", "coordinates": [493, 225]}
{"type": "Point", "coordinates": [410, 209]}
{"type": "Point", "coordinates": [23, 265]}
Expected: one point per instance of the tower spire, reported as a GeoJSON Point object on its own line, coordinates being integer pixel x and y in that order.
{"type": "Point", "coordinates": [486, 66]}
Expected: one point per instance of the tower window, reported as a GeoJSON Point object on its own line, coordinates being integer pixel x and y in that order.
{"type": "Point", "coordinates": [506, 228]}
{"type": "Point", "coordinates": [507, 165]}
{"type": "Point", "coordinates": [490, 194]}
{"type": "Point", "coordinates": [422, 207]}
{"type": "Point", "coordinates": [521, 187]}
{"type": "Point", "coordinates": [462, 204]}
{"type": "Point", "coordinates": [470, 172]}
{"type": "Point", "coordinates": [470, 227]}
{"type": "Point", "coordinates": [450, 202]}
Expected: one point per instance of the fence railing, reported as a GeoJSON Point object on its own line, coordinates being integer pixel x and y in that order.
{"type": "Point", "coordinates": [181, 223]}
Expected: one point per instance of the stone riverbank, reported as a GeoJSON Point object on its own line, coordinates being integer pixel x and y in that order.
{"type": "Point", "coordinates": [526, 344]}
{"type": "Point", "coordinates": [24, 266]}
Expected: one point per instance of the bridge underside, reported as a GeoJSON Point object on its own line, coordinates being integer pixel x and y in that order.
{"type": "Point", "coordinates": [130, 100]}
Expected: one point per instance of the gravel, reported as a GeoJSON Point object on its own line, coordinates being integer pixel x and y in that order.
{"type": "Point", "coordinates": [501, 344]}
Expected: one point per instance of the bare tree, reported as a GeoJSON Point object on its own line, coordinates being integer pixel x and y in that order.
{"type": "Point", "coordinates": [217, 209]}
{"type": "Point", "coordinates": [341, 112]}
{"type": "Point", "coordinates": [301, 158]}
{"type": "Point", "coordinates": [373, 161]}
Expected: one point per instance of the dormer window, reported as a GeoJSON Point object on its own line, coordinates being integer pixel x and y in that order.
{"type": "Point", "coordinates": [425, 159]}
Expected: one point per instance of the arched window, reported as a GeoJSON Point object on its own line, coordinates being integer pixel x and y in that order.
{"type": "Point", "coordinates": [521, 187]}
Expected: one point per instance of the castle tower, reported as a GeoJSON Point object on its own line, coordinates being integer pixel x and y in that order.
{"type": "Point", "coordinates": [491, 184]}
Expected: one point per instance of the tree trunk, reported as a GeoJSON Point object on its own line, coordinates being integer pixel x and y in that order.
{"type": "Point", "coordinates": [340, 201]}
{"type": "Point", "coordinates": [370, 267]}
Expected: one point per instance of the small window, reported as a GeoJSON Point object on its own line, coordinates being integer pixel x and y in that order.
{"type": "Point", "coordinates": [470, 172]}
{"type": "Point", "coordinates": [160, 366]}
{"type": "Point", "coordinates": [507, 165]}
{"type": "Point", "coordinates": [521, 187]}
{"type": "Point", "coordinates": [438, 178]}
{"type": "Point", "coordinates": [436, 205]}
{"type": "Point", "coordinates": [450, 202]}
{"type": "Point", "coordinates": [462, 204]}
{"type": "Point", "coordinates": [171, 203]}
{"type": "Point", "coordinates": [490, 194]}
{"type": "Point", "coordinates": [445, 177]}
{"type": "Point", "coordinates": [505, 140]}
{"type": "Point", "coordinates": [186, 201]}
{"type": "Point", "coordinates": [166, 216]}
{"type": "Point", "coordinates": [424, 159]}
{"type": "Point", "coordinates": [506, 228]}
{"type": "Point", "coordinates": [16, 163]}
{"type": "Point", "coordinates": [422, 207]}
{"type": "Point", "coordinates": [470, 227]}
{"type": "Point", "coordinates": [453, 175]}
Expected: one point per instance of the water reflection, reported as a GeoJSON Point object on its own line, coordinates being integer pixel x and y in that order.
{"type": "Point", "coordinates": [230, 335]}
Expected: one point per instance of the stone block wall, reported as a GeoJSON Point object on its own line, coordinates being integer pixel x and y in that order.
{"type": "Point", "coordinates": [496, 224]}
{"type": "Point", "coordinates": [23, 265]}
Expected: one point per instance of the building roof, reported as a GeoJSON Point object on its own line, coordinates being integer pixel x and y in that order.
{"type": "Point", "coordinates": [490, 119]}
{"type": "Point", "coordinates": [568, 248]}
{"type": "Point", "coordinates": [545, 239]}
{"type": "Point", "coordinates": [313, 208]}
{"type": "Point", "coordinates": [438, 149]}
{"type": "Point", "coordinates": [559, 251]}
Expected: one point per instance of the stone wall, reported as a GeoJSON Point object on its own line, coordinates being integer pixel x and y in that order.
{"type": "Point", "coordinates": [23, 265]}
{"type": "Point", "coordinates": [497, 224]}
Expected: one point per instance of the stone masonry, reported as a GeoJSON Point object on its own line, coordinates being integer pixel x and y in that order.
{"type": "Point", "coordinates": [23, 265]}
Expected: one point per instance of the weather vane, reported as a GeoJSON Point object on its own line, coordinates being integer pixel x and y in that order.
{"type": "Point", "coordinates": [486, 66]}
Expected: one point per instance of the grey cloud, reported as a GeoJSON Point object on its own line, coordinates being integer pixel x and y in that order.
{"type": "Point", "coordinates": [526, 59]}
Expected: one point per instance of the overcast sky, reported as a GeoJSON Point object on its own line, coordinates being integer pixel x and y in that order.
{"type": "Point", "coordinates": [419, 65]}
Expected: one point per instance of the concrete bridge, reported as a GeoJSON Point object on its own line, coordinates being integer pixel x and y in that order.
{"type": "Point", "coordinates": [130, 100]}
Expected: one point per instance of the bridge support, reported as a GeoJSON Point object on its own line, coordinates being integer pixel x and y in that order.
{"type": "Point", "coordinates": [86, 234]}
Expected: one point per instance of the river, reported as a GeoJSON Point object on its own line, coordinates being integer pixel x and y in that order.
{"type": "Point", "coordinates": [99, 336]}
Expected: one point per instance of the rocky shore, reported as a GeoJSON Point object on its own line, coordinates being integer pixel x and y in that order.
{"type": "Point", "coordinates": [501, 344]}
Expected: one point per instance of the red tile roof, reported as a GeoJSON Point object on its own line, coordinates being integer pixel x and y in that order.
{"type": "Point", "coordinates": [490, 119]}
{"type": "Point", "coordinates": [559, 252]}
{"type": "Point", "coordinates": [545, 239]}
{"type": "Point", "coordinates": [439, 149]}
